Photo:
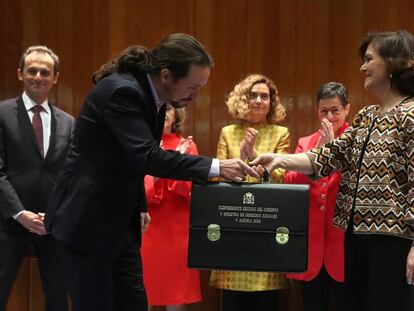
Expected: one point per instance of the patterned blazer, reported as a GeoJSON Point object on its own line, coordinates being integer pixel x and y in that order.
{"type": "Point", "coordinates": [376, 155]}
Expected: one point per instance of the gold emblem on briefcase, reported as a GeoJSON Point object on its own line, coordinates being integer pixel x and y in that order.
{"type": "Point", "coordinates": [213, 232]}
{"type": "Point", "coordinates": [282, 235]}
{"type": "Point", "coordinates": [248, 198]}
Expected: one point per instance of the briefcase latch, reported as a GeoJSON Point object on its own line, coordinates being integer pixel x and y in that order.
{"type": "Point", "coordinates": [213, 232]}
{"type": "Point", "coordinates": [282, 235]}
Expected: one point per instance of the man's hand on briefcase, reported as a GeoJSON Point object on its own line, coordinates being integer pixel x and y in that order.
{"type": "Point", "coordinates": [236, 170]}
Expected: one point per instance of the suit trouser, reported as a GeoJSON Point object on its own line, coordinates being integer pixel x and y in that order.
{"type": "Point", "coordinates": [375, 267]}
{"type": "Point", "coordinates": [96, 284]}
{"type": "Point", "coordinates": [247, 301]}
{"type": "Point", "coordinates": [317, 292]}
{"type": "Point", "coordinates": [13, 248]}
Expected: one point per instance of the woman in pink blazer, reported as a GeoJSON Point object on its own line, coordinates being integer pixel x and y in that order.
{"type": "Point", "coordinates": [326, 242]}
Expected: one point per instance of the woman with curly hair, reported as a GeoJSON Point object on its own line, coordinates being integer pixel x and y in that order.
{"type": "Point", "coordinates": [255, 105]}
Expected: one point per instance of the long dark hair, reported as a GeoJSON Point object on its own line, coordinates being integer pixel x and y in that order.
{"type": "Point", "coordinates": [134, 58]}
{"type": "Point", "coordinates": [176, 52]}
{"type": "Point", "coordinates": [397, 50]}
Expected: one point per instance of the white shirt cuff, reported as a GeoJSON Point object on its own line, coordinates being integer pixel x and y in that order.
{"type": "Point", "coordinates": [215, 168]}
{"type": "Point", "coordinates": [17, 215]}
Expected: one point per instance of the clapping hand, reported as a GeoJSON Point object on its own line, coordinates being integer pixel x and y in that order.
{"type": "Point", "coordinates": [145, 221]}
{"type": "Point", "coordinates": [247, 150]}
{"type": "Point", "coordinates": [184, 144]}
{"type": "Point", "coordinates": [326, 133]}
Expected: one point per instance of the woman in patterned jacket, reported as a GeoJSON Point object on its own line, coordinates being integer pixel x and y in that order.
{"type": "Point", "coordinates": [255, 104]}
{"type": "Point", "coordinates": [375, 202]}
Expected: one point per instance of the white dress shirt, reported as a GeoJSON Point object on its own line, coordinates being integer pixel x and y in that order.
{"type": "Point", "coordinates": [45, 115]}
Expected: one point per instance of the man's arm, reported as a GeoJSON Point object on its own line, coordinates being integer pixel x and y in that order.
{"type": "Point", "coordinates": [10, 204]}
{"type": "Point", "coordinates": [128, 122]}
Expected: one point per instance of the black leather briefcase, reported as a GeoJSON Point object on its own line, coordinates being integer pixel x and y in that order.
{"type": "Point", "coordinates": [253, 227]}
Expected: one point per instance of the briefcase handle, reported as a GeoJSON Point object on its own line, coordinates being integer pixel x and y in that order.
{"type": "Point", "coordinates": [265, 176]}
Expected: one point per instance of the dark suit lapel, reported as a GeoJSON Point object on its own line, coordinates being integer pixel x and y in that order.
{"type": "Point", "coordinates": [158, 117]}
{"type": "Point", "coordinates": [161, 121]}
{"type": "Point", "coordinates": [25, 125]}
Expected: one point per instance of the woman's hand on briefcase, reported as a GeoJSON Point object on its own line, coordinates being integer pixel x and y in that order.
{"type": "Point", "coordinates": [299, 162]}
{"type": "Point", "coordinates": [265, 163]}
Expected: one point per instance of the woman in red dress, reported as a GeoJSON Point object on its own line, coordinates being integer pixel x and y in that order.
{"type": "Point", "coordinates": [167, 279]}
{"type": "Point", "coordinates": [326, 242]}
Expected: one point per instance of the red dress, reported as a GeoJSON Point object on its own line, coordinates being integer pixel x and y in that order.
{"type": "Point", "coordinates": [167, 279]}
{"type": "Point", "coordinates": [326, 242]}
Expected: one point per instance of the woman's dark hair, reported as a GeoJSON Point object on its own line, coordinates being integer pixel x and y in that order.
{"type": "Point", "coordinates": [397, 50]}
{"type": "Point", "coordinates": [176, 52]}
{"type": "Point", "coordinates": [178, 124]}
{"type": "Point", "coordinates": [332, 90]}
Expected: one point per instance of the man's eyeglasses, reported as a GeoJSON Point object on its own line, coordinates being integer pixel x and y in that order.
{"type": "Point", "coordinates": [334, 110]}
{"type": "Point", "coordinates": [254, 96]}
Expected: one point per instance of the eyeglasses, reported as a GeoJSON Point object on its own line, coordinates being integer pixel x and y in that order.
{"type": "Point", "coordinates": [334, 110]}
{"type": "Point", "coordinates": [254, 96]}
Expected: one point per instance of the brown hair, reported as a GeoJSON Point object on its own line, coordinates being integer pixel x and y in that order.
{"type": "Point", "coordinates": [178, 124]}
{"type": "Point", "coordinates": [397, 50]}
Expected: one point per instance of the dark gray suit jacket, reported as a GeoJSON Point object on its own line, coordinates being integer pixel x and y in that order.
{"type": "Point", "coordinates": [26, 179]}
{"type": "Point", "coordinates": [100, 191]}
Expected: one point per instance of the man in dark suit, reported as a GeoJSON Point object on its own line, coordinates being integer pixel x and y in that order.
{"type": "Point", "coordinates": [98, 208]}
{"type": "Point", "coordinates": [34, 137]}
